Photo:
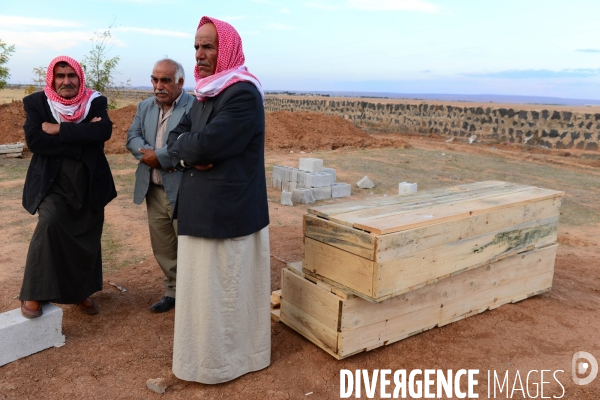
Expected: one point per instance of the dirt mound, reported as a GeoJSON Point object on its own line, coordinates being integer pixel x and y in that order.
{"type": "Point", "coordinates": [284, 130]}
{"type": "Point", "coordinates": [12, 118]}
{"type": "Point", "coordinates": [121, 119]}
{"type": "Point", "coordinates": [308, 131]}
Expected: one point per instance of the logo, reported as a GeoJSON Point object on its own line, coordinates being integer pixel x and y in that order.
{"type": "Point", "coordinates": [580, 367]}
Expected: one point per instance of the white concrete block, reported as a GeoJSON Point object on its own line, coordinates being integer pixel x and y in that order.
{"type": "Point", "coordinates": [340, 190]}
{"type": "Point", "coordinates": [285, 186]}
{"type": "Point", "coordinates": [365, 183]}
{"type": "Point", "coordinates": [276, 183]}
{"type": "Point", "coordinates": [318, 179]}
{"type": "Point", "coordinates": [310, 164]}
{"type": "Point", "coordinates": [294, 175]}
{"type": "Point", "coordinates": [293, 185]}
{"type": "Point", "coordinates": [406, 188]}
{"type": "Point", "coordinates": [322, 193]}
{"type": "Point", "coordinates": [303, 196]}
{"type": "Point", "coordinates": [330, 171]}
{"type": "Point", "coordinates": [301, 175]}
{"type": "Point", "coordinates": [21, 337]}
{"type": "Point", "coordinates": [287, 174]}
{"type": "Point", "coordinates": [286, 199]}
{"type": "Point", "coordinates": [278, 172]}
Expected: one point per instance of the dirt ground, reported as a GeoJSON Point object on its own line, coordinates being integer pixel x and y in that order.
{"type": "Point", "coordinates": [111, 355]}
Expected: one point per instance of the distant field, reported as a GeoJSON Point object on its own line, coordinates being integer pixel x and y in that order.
{"type": "Point", "coordinates": [126, 97]}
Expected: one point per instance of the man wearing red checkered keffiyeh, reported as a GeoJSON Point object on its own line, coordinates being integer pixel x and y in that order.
{"type": "Point", "coordinates": [222, 315]}
{"type": "Point", "coordinates": [68, 183]}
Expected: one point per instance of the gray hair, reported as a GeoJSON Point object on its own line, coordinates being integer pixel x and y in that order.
{"type": "Point", "coordinates": [179, 72]}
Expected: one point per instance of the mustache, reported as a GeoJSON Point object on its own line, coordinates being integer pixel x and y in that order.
{"type": "Point", "coordinates": [66, 87]}
{"type": "Point", "coordinates": [161, 91]}
{"type": "Point", "coordinates": [203, 64]}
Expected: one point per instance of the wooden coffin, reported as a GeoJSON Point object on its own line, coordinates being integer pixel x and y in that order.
{"type": "Point", "coordinates": [381, 248]}
{"type": "Point", "coordinates": [343, 324]}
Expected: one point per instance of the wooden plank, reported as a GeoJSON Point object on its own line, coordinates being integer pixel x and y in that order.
{"type": "Point", "coordinates": [11, 151]}
{"type": "Point", "coordinates": [309, 327]}
{"type": "Point", "coordinates": [399, 275]}
{"type": "Point", "coordinates": [364, 216]}
{"type": "Point", "coordinates": [276, 315]}
{"type": "Point", "coordinates": [349, 206]}
{"type": "Point", "coordinates": [394, 329]}
{"type": "Point", "coordinates": [399, 244]}
{"type": "Point", "coordinates": [319, 303]}
{"type": "Point", "coordinates": [343, 237]}
{"type": "Point", "coordinates": [357, 312]}
{"type": "Point", "coordinates": [450, 212]}
{"type": "Point", "coordinates": [338, 265]}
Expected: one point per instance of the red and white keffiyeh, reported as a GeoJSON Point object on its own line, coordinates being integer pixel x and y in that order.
{"type": "Point", "coordinates": [76, 108]}
{"type": "Point", "coordinates": [230, 63]}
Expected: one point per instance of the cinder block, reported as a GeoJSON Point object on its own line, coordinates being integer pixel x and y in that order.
{"type": "Point", "coordinates": [330, 171]}
{"type": "Point", "coordinates": [21, 337]}
{"type": "Point", "coordinates": [287, 174]}
{"type": "Point", "coordinates": [318, 179]}
{"type": "Point", "coordinates": [311, 164]}
{"type": "Point", "coordinates": [406, 188]}
{"type": "Point", "coordinates": [303, 196]}
{"type": "Point", "coordinates": [286, 199]}
{"type": "Point", "coordinates": [285, 186]}
{"type": "Point", "coordinates": [301, 175]}
{"type": "Point", "coordinates": [293, 185]}
{"type": "Point", "coordinates": [340, 190]}
{"type": "Point", "coordinates": [294, 175]}
{"type": "Point", "coordinates": [278, 172]}
{"type": "Point", "coordinates": [365, 183]}
{"type": "Point", "coordinates": [276, 183]}
{"type": "Point", "coordinates": [322, 193]}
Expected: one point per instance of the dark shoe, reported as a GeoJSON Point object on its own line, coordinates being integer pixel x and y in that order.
{"type": "Point", "coordinates": [29, 313]}
{"type": "Point", "coordinates": [163, 305]}
{"type": "Point", "coordinates": [89, 310]}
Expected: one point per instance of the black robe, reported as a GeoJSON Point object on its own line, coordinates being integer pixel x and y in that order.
{"type": "Point", "coordinates": [68, 183]}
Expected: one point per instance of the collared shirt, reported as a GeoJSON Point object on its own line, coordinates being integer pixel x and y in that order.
{"type": "Point", "coordinates": [161, 130]}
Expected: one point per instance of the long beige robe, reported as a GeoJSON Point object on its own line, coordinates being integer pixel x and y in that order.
{"type": "Point", "coordinates": [222, 312]}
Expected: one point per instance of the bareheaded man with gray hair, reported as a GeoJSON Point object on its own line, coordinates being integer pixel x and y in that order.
{"type": "Point", "coordinates": [155, 179]}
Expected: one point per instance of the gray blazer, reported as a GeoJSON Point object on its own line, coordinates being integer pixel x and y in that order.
{"type": "Point", "coordinates": [142, 134]}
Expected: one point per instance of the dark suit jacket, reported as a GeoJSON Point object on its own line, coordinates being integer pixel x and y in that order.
{"type": "Point", "coordinates": [81, 141]}
{"type": "Point", "coordinates": [228, 131]}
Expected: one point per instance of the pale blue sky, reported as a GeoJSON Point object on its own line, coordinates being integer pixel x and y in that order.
{"type": "Point", "coordinates": [524, 47]}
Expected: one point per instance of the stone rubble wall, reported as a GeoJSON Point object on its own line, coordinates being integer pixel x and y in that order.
{"type": "Point", "coordinates": [546, 127]}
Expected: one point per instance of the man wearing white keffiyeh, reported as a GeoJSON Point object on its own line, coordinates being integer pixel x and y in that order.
{"type": "Point", "coordinates": [68, 184]}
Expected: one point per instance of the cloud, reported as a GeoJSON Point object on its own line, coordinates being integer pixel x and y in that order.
{"type": "Point", "coordinates": [426, 71]}
{"type": "Point", "coordinates": [537, 73]}
{"type": "Point", "coordinates": [279, 27]}
{"type": "Point", "coordinates": [61, 40]}
{"type": "Point", "coordinates": [7, 21]}
{"type": "Point", "coordinates": [155, 32]}
{"type": "Point", "coordinates": [285, 11]}
{"type": "Point", "coordinates": [377, 5]}
{"type": "Point", "coordinates": [394, 5]}
{"type": "Point", "coordinates": [588, 50]}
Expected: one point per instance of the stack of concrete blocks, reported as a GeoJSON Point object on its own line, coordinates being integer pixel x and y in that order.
{"type": "Point", "coordinates": [308, 183]}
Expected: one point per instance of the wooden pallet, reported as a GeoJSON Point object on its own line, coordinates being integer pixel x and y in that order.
{"type": "Point", "coordinates": [343, 324]}
{"type": "Point", "coordinates": [381, 248]}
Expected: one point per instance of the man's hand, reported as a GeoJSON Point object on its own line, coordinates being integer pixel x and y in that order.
{"type": "Point", "coordinates": [51, 129]}
{"type": "Point", "coordinates": [96, 119]}
{"type": "Point", "coordinates": [203, 167]}
{"type": "Point", "coordinates": [150, 158]}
